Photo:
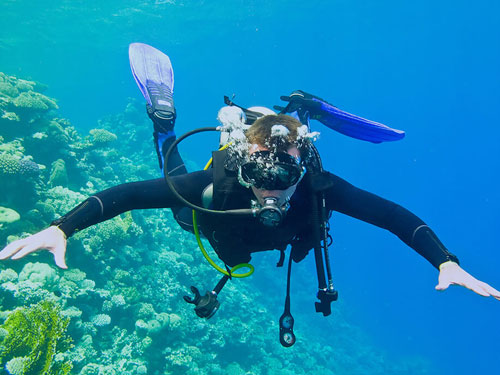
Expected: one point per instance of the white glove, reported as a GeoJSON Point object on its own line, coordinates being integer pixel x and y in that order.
{"type": "Point", "coordinates": [52, 239]}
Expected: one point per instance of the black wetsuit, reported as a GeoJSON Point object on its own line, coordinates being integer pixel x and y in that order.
{"type": "Point", "coordinates": [341, 197]}
{"type": "Point", "coordinates": [247, 234]}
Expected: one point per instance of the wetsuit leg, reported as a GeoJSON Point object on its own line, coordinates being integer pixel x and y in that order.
{"type": "Point", "coordinates": [175, 167]}
{"type": "Point", "coordinates": [163, 141]}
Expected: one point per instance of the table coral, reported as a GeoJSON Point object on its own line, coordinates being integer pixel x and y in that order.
{"type": "Point", "coordinates": [30, 101]}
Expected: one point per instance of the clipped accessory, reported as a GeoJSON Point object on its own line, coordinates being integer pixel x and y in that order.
{"type": "Point", "coordinates": [206, 306]}
{"type": "Point", "coordinates": [287, 337]}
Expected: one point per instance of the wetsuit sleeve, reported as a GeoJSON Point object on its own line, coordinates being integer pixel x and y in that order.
{"type": "Point", "coordinates": [135, 195]}
{"type": "Point", "coordinates": [360, 204]}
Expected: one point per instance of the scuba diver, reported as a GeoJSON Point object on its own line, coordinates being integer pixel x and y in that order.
{"type": "Point", "coordinates": [266, 189]}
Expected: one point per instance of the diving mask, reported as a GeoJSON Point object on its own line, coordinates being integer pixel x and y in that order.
{"type": "Point", "coordinates": [271, 171]}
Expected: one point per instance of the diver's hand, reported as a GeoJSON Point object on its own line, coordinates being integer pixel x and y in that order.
{"type": "Point", "coordinates": [52, 239]}
{"type": "Point", "coordinates": [451, 273]}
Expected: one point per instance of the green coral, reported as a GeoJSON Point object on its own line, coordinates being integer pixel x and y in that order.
{"type": "Point", "coordinates": [62, 199]}
{"type": "Point", "coordinates": [57, 134]}
{"type": "Point", "coordinates": [29, 101]}
{"type": "Point", "coordinates": [39, 273]}
{"type": "Point", "coordinates": [9, 90]}
{"type": "Point", "coordinates": [13, 148]}
{"type": "Point", "coordinates": [34, 101]}
{"type": "Point", "coordinates": [38, 334]}
{"type": "Point", "coordinates": [101, 320]}
{"type": "Point", "coordinates": [10, 116]}
{"type": "Point", "coordinates": [23, 85]}
{"type": "Point", "coordinates": [125, 220]}
{"type": "Point", "coordinates": [101, 136]}
{"type": "Point", "coordinates": [8, 215]}
{"type": "Point", "coordinates": [8, 275]}
{"type": "Point", "coordinates": [58, 174]}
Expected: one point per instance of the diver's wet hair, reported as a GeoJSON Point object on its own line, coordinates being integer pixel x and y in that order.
{"type": "Point", "coordinates": [266, 132]}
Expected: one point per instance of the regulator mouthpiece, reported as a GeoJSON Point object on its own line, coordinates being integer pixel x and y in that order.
{"type": "Point", "coordinates": [206, 306]}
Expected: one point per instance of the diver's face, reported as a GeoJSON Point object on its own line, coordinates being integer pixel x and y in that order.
{"type": "Point", "coordinates": [280, 195]}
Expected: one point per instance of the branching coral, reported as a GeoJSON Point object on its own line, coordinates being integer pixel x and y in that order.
{"type": "Point", "coordinates": [28, 168]}
{"type": "Point", "coordinates": [37, 334]}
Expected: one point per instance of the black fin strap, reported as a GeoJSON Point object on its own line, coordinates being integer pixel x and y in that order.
{"type": "Point", "coordinates": [252, 116]}
{"type": "Point", "coordinates": [157, 148]}
{"type": "Point", "coordinates": [282, 258]}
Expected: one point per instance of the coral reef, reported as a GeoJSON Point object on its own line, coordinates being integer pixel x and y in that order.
{"type": "Point", "coordinates": [21, 105]}
{"type": "Point", "coordinates": [121, 299]}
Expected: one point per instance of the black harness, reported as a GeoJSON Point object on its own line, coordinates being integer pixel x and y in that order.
{"type": "Point", "coordinates": [234, 234]}
{"type": "Point", "coordinates": [305, 228]}
{"type": "Point", "coordinates": [234, 239]}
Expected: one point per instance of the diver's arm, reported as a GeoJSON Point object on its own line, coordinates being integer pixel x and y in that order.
{"type": "Point", "coordinates": [360, 204]}
{"type": "Point", "coordinates": [131, 196]}
{"type": "Point", "coordinates": [106, 205]}
{"type": "Point", "coordinates": [347, 199]}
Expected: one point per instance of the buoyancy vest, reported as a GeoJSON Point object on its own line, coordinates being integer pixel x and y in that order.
{"type": "Point", "coordinates": [235, 238]}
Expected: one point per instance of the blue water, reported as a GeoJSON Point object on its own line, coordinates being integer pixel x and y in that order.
{"type": "Point", "coordinates": [429, 68]}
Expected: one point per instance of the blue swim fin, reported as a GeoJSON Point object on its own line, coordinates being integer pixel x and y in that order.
{"type": "Point", "coordinates": [305, 105]}
{"type": "Point", "coordinates": [153, 73]}
{"type": "Point", "coordinates": [357, 127]}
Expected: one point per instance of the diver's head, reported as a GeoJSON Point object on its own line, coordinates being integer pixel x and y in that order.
{"type": "Point", "coordinates": [273, 167]}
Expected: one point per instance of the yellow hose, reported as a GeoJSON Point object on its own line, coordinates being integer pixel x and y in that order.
{"type": "Point", "coordinates": [204, 252]}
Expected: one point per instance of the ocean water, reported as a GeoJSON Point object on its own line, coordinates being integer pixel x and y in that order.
{"type": "Point", "coordinates": [429, 68]}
